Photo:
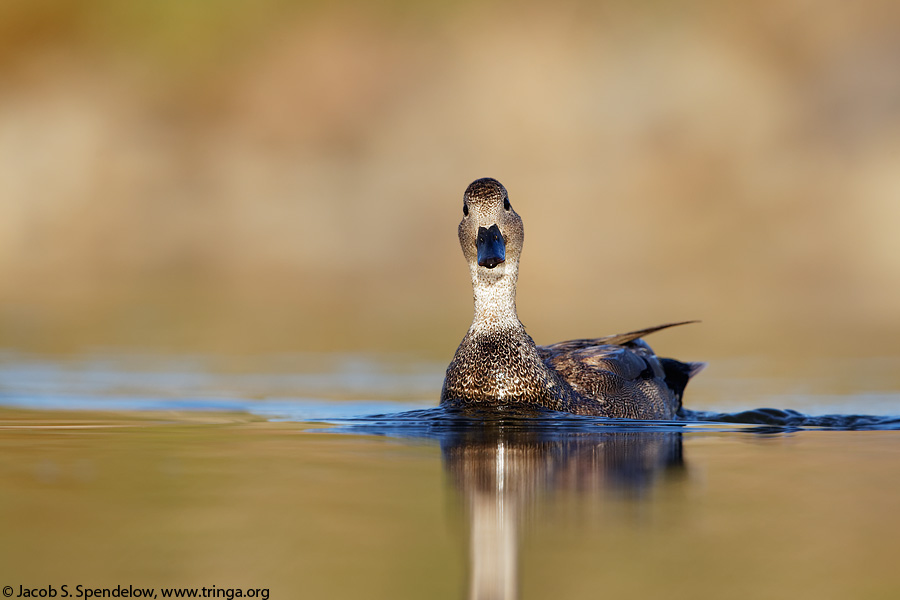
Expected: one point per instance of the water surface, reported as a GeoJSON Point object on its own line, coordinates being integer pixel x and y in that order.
{"type": "Point", "coordinates": [335, 476]}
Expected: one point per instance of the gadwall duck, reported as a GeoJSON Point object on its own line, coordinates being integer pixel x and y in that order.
{"type": "Point", "coordinates": [498, 367]}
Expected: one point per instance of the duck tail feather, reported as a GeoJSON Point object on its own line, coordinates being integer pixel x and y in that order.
{"type": "Point", "coordinates": [624, 338]}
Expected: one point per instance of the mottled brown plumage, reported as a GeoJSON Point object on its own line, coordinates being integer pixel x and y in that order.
{"type": "Point", "coordinates": [498, 366]}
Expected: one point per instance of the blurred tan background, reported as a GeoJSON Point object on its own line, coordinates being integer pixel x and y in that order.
{"type": "Point", "coordinates": [287, 176]}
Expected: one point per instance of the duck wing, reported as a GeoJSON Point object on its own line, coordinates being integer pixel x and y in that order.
{"type": "Point", "coordinates": [622, 372]}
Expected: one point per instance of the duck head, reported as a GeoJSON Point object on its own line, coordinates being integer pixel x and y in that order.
{"type": "Point", "coordinates": [490, 233]}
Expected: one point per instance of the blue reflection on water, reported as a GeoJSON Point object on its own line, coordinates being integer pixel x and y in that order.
{"type": "Point", "coordinates": [377, 395]}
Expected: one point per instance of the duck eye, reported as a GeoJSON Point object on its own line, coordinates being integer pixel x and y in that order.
{"type": "Point", "coordinates": [506, 203]}
{"type": "Point", "coordinates": [465, 209]}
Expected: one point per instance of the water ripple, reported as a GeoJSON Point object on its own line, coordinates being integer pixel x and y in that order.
{"type": "Point", "coordinates": [384, 395]}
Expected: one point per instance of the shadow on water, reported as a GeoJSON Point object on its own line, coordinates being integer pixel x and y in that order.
{"type": "Point", "coordinates": [508, 468]}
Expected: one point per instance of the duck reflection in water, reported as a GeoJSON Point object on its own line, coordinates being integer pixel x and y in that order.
{"type": "Point", "coordinates": [502, 473]}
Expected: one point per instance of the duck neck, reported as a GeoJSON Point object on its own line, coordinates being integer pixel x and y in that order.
{"type": "Point", "coordinates": [495, 300]}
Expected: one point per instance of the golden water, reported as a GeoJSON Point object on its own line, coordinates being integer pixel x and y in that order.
{"type": "Point", "coordinates": [191, 496]}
